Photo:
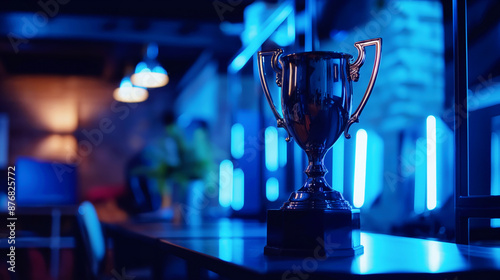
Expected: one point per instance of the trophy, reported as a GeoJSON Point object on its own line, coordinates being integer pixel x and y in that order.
{"type": "Point", "coordinates": [316, 104]}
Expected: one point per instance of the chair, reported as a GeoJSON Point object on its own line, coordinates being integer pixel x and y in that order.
{"type": "Point", "coordinates": [92, 238]}
{"type": "Point", "coordinates": [94, 247]}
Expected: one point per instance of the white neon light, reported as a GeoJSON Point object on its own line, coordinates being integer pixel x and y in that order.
{"type": "Point", "coordinates": [225, 183]}
{"type": "Point", "coordinates": [238, 189]}
{"type": "Point", "coordinates": [272, 189]}
{"type": "Point", "coordinates": [237, 140]}
{"type": "Point", "coordinates": [431, 163]}
{"type": "Point", "coordinates": [360, 168]}
{"type": "Point", "coordinates": [271, 148]}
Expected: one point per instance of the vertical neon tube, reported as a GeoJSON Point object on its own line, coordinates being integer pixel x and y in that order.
{"type": "Point", "coordinates": [360, 168]}
{"type": "Point", "coordinates": [225, 183]}
{"type": "Point", "coordinates": [272, 189]}
{"type": "Point", "coordinates": [495, 167]}
{"type": "Point", "coordinates": [431, 163]}
{"type": "Point", "coordinates": [495, 164]}
{"type": "Point", "coordinates": [238, 189]}
{"type": "Point", "coordinates": [338, 165]}
{"type": "Point", "coordinates": [237, 140]}
{"type": "Point", "coordinates": [271, 148]}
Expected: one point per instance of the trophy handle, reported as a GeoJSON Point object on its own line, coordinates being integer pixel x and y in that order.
{"type": "Point", "coordinates": [276, 65]}
{"type": "Point", "coordinates": [354, 75]}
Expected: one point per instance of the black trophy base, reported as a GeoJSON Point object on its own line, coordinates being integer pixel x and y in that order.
{"type": "Point", "coordinates": [315, 233]}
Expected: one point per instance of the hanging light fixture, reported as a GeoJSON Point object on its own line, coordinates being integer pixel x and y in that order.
{"type": "Point", "coordinates": [149, 73]}
{"type": "Point", "coordinates": [129, 93]}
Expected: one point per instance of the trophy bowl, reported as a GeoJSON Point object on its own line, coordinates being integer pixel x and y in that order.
{"type": "Point", "coordinates": [316, 98]}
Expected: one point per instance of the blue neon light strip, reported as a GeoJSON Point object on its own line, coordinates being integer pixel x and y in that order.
{"type": "Point", "coordinates": [271, 148]}
{"type": "Point", "coordinates": [238, 189]}
{"type": "Point", "coordinates": [338, 165]}
{"type": "Point", "coordinates": [360, 168]}
{"type": "Point", "coordinates": [431, 163]}
{"type": "Point", "coordinates": [270, 25]}
{"type": "Point", "coordinates": [237, 140]}
{"type": "Point", "coordinates": [495, 164]}
{"type": "Point", "coordinates": [495, 167]}
{"type": "Point", "coordinates": [272, 189]}
{"type": "Point", "coordinates": [225, 183]}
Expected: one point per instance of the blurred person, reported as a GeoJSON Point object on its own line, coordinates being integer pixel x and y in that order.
{"type": "Point", "coordinates": [168, 165]}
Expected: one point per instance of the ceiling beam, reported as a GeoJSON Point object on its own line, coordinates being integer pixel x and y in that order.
{"type": "Point", "coordinates": [20, 27]}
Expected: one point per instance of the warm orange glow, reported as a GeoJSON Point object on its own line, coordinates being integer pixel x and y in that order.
{"type": "Point", "coordinates": [52, 115]}
{"type": "Point", "coordinates": [56, 104]}
{"type": "Point", "coordinates": [56, 147]}
{"type": "Point", "coordinates": [60, 117]}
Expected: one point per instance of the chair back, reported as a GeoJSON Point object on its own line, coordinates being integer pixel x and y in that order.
{"type": "Point", "coordinates": [92, 237]}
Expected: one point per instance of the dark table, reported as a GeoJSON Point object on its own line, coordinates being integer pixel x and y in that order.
{"type": "Point", "coordinates": [234, 249]}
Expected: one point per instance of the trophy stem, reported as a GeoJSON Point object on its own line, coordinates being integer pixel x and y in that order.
{"type": "Point", "coordinates": [316, 171]}
{"type": "Point", "coordinates": [316, 193]}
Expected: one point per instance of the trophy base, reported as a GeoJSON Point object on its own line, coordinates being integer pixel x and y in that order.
{"type": "Point", "coordinates": [315, 233]}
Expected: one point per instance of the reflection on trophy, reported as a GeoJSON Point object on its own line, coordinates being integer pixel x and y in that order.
{"type": "Point", "coordinates": [316, 101]}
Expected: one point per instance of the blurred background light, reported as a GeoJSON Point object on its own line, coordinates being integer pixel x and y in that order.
{"type": "Point", "coordinates": [149, 73]}
{"type": "Point", "coordinates": [271, 148]}
{"type": "Point", "coordinates": [495, 171]}
{"type": "Point", "coordinates": [360, 168]}
{"type": "Point", "coordinates": [338, 165]}
{"type": "Point", "coordinates": [238, 189]}
{"type": "Point", "coordinates": [431, 163]}
{"type": "Point", "coordinates": [272, 189]}
{"type": "Point", "coordinates": [495, 163]}
{"type": "Point", "coordinates": [225, 183]}
{"type": "Point", "coordinates": [258, 32]}
{"type": "Point", "coordinates": [338, 35]}
{"type": "Point", "coordinates": [237, 140]}
{"type": "Point", "coordinates": [374, 169]}
{"type": "Point", "coordinates": [129, 93]}
{"type": "Point", "coordinates": [184, 120]}
{"type": "Point", "coordinates": [298, 163]}
{"type": "Point", "coordinates": [57, 147]}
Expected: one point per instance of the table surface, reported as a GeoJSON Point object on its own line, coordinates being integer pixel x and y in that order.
{"type": "Point", "coordinates": [235, 247]}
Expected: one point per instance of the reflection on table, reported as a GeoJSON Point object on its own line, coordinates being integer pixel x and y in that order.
{"type": "Point", "coordinates": [234, 248]}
